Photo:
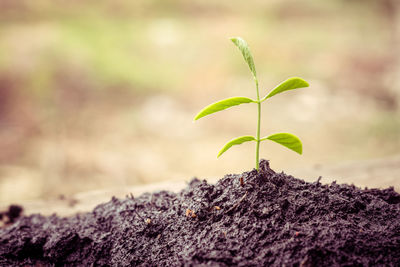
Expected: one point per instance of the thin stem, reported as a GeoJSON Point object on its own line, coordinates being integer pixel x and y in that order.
{"type": "Point", "coordinates": [258, 126]}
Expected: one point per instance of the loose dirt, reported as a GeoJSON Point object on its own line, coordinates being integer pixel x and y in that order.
{"type": "Point", "coordinates": [268, 219]}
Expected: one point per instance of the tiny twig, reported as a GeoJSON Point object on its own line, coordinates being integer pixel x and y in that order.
{"type": "Point", "coordinates": [134, 210]}
{"type": "Point", "coordinates": [237, 203]}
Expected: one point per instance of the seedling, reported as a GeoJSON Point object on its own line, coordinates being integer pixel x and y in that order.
{"type": "Point", "coordinates": [286, 139]}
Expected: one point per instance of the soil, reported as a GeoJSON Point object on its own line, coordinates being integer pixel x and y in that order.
{"type": "Point", "coordinates": [251, 219]}
{"type": "Point", "coordinates": [9, 216]}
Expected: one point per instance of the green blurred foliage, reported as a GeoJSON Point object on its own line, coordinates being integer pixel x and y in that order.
{"type": "Point", "coordinates": [89, 85]}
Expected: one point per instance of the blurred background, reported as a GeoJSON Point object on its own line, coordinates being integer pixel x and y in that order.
{"type": "Point", "coordinates": [102, 94]}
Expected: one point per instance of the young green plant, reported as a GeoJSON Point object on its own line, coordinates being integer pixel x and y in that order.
{"type": "Point", "coordinates": [286, 139]}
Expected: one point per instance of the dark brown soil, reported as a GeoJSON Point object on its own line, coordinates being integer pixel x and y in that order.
{"type": "Point", "coordinates": [272, 219]}
{"type": "Point", "coordinates": [9, 216]}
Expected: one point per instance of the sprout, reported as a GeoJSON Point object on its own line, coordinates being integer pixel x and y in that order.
{"type": "Point", "coordinates": [286, 139]}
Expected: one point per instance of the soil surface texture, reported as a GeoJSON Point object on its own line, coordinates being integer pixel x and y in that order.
{"type": "Point", "coordinates": [251, 219]}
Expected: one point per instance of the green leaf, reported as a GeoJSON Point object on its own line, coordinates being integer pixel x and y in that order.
{"type": "Point", "coordinates": [288, 140]}
{"type": "Point", "coordinates": [289, 84]}
{"type": "Point", "coordinates": [221, 105]}
{"type": "Point", "coordinates": [236, 141]}
{"type": "Point", "coordinates": [244, 48]}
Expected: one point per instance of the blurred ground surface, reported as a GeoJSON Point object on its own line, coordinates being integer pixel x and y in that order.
{"type": "Point", "coordinates": [97, 95]}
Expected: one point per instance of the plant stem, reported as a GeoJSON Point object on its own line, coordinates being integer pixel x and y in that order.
{"type": "Point", "coordinates": [258, 126]}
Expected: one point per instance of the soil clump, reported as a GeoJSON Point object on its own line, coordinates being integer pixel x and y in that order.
{"type": "Point", "coordinates": [250, 219]}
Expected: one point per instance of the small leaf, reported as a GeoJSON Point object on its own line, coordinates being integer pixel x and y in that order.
{"type": "Point", "coordinates": [236, 141]}
{"type": "Point", "coordinates": [244, 48]}
{"type": "Point", "coordinates": [289, 84]}
{"type": "Point", "coordinates": [221, 105]}
{"type": "Point", "coordinates": [288, 140]}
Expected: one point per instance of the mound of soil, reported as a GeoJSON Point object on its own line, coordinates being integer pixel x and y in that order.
{"type": "Point", "coordinates": [251, 219]}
